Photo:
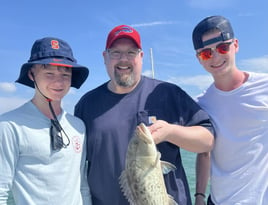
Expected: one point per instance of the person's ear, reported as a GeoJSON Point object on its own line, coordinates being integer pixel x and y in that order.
{"type": "Point", "coordinates": [31, 74]}
{"type": "Point", "coordinates": [236, 44]}
{"type": "Point", "coordinates": [141, 53]}
{"type": "Point", "coordinates": [105, 56]}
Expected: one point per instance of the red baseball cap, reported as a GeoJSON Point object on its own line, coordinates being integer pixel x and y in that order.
{"type": "Point", "coordinates": [123, 31]}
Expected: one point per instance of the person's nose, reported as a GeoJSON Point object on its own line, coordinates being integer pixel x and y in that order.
{"type": "Point", "coordinates": [124, 56]}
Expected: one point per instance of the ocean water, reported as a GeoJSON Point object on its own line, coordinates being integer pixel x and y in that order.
{"type": "Point", "coordinates": [188, 159]}
{"type": "Point", "coordinates": [10, 200]}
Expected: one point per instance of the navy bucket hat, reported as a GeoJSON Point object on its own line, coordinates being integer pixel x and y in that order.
{"type": "Point", "coordinates": [53, 51]}
{"type": "Point", "coordinates": [209, 23]}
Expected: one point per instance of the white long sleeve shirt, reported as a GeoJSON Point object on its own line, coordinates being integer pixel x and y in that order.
{"type": "Point", "coordinates": [31, 169]}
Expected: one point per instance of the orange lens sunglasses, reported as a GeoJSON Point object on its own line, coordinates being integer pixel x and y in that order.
{"type": "Point", "coordinates": [221, 48]}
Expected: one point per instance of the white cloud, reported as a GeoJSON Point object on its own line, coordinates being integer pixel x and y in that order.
{"type": "Point", "coordinates": [259, 64]}
{"type": "Point", "coordinates": [153, 23]}
{"type": "Point", "coordinates": [10, 103]}
{"type": "Point", "coordinates": [148, 73]}
{"type": "Point", "coordinates": [199, 81]}
{"type": "Point", "coordinates": [7, 87]}
{"type": "Point", "coordinates": [72, 91]}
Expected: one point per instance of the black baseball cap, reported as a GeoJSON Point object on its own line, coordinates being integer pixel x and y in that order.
{"type": "Point", "coordinates": [53, 51]}
{"type": "Point", "coordinates": [209, 23]}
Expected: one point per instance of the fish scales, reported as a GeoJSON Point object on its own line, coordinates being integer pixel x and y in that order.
{"type": "Point", "coordinates": [142, 181]}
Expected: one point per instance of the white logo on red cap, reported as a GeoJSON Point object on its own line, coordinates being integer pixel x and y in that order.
{"type": "Point", "coordinates": [124, 29]}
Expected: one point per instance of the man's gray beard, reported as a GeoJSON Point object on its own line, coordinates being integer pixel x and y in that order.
{"type": "Point", "coordinates": [125, 80]}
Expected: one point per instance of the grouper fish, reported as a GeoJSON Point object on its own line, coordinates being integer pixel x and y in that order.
{"type": "Point", "coordinates": [142, 180]}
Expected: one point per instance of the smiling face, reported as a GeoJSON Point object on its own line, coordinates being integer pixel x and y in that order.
{"type": "Point", "coordinates": [53, 81]}
{"type": "Point", "coordinates": [219, 63]}
{"type": "Point", "coordinates": [124, 70]}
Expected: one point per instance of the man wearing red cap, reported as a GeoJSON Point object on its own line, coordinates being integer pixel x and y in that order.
{"type": "Point", "coordinates": [42, 155]}
{"type": "Point", "coordinates": [112, 111]}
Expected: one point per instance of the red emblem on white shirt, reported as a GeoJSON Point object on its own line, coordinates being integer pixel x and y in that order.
{"type": "Point", "coordinates": [77, 144]}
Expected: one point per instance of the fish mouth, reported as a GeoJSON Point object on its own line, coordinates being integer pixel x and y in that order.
{"type": "Point", "coordinates": [144, 134]}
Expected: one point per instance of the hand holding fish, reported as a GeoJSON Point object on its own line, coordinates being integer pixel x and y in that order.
{"type": "Point", "coordinates": [192, 138]}
{"type": "Point", "coordinates": [161, 131]}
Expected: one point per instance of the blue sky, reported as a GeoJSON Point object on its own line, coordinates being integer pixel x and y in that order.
{"type": "Point", "coordinates": [165, 27]}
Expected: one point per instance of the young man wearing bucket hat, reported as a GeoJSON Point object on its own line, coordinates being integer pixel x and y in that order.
{"type": "Point", "coordinates": [112, 111]}
{"type": "Point", "coordinates": [238, 105]}
{"type": "Point", "coordinates": [42, 153]}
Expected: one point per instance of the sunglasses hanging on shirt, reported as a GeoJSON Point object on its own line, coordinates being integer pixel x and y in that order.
{"type": "Point", "coordinates": [55, 136]}
{"type": "Point", "coordinates": [56, 132]}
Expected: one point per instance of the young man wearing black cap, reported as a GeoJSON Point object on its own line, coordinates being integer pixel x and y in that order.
{"type": "Point", "coordinates": [42, 153]}
{"type": "Point", "coordinates": [238, 105]}
{"type": "Point", "coordinates": [112, 111]}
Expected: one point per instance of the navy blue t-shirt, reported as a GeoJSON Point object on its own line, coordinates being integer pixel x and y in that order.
{"type": "Point", "coordinates": [111, 119]}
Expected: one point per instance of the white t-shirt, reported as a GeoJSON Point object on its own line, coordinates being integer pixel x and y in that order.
{"type": "Point", "coordinates": [239, 160]}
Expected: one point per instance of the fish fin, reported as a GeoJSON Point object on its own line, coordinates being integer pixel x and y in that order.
{"type": "Point", "coordinates": [125, 187]}
{"type": "Point", "coordinates": [158, 156]}
{"type": "Point", "coordinates": [171, 201]}
{"type": "Point", "coordinates": [167, 167]}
